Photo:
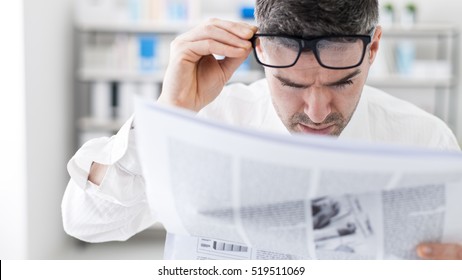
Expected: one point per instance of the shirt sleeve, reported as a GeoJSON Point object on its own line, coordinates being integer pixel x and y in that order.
{"type": "Point", "coordinates": [118, 208]}
{"type": "Point", "coordinates": [446, 140]}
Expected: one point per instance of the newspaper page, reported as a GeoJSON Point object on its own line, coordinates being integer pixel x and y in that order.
{"type": "Point", "coordinates": [222, 191]}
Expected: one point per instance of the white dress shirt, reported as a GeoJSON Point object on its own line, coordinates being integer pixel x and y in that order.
{"type": "Point", "coordinates": [118, 209]}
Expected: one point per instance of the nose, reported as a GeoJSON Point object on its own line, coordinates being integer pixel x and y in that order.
{"type": "Point", "coordinates": [317, 105]}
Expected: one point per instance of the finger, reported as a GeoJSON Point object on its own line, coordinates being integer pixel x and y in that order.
{"type": "Point", "coordinates": [220, 30]}
{"type": "Point", "coordinates": [240, 29]}
{"type": "Point", "coordinates": [437, 251]}
{"type": "Point", "coordinates": [215, 33]}
{"type": "Point", "coordinates": [194, 51]}
{"type": "Point", "coordinates": [230, 64]}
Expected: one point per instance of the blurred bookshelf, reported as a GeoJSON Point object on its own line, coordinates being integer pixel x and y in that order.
{"type": "Point", "coordinates": [122, 50]}
{"type": "Point", "coordinates": [419, 63]}
{"type": "Point", "coordinates": [89, 75]}
{"type": "Point", "coordinates": [167, 27]}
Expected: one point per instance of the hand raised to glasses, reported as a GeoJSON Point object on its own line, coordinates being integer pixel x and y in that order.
{"type": "Point", "coordinates": [194, 78]}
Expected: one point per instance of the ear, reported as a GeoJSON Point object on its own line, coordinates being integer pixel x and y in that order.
{"type": "Point", "coordinates": [374, 46]}
{"type": "Point", "coordinates": [258, 48]}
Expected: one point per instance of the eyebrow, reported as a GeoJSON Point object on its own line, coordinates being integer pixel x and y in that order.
{"type": "Point", "coordinates": [346, 78]}
{"type": "Point", "coordinates": [303, 86]}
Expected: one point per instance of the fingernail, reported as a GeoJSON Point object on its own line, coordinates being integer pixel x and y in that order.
{"type": "Point", "coordinates": [425, 250]}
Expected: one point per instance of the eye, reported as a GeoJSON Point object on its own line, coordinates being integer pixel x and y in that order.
{"type": "Point", "coordinates": [291, 85]}
{"type": "Point", "coordinates": [343, 84]}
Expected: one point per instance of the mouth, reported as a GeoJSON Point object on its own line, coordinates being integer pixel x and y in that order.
{"type": "Point", "coordinates": [322, 130]}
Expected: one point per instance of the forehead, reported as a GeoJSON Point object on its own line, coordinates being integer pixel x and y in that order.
{"type": "Point", "coordinates": [308, 71]}
{"type": "Point", "coordinates": [307, 60]}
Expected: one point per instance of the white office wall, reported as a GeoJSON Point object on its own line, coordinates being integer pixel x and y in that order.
{"type": "Point", "coordinates": [13, 222]}
{"type": "Point", "coordinates": [49, 86]}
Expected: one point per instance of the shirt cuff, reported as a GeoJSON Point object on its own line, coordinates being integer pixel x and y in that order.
{"type": "Point", "coordinates": [107, 151]}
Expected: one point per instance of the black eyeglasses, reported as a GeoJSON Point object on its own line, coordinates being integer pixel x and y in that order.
{"type": "Point", "coordinates": [333, 52]}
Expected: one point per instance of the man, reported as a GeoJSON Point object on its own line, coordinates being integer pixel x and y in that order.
{"type": "Point", "coordinates": [316, 56]}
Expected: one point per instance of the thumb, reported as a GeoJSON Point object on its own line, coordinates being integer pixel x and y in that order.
{"type": "Point", "coordinates": [437, 251]}
{"type": "Point", "coordinates": [229, 65]}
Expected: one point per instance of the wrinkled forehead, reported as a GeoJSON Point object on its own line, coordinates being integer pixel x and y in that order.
{"type": "Point", "coordinates": [306, 60]}
{"type": "Point", "coordinates": [328, 43]}
{"type": "Point", "coordinates": [308, 71]}
{"type": "Point", "coordinates": [283, 42]}
{"type": "Point", "coordinates": [279, 43]}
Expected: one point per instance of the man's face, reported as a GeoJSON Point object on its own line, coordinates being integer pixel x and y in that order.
{"type": "Point", "coordinates": [312, 99]}
{"type": "Point", "coordinates": [315, 100]}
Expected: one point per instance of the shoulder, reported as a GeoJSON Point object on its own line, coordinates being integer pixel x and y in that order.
{"type": "Point", "coordinates": [381, 104]}
{"type": "Point", "coordinates": [240, 104]}
{"type": "Point", "coordinates": [396, 120]}
{"type": "Point", "coordinates": [240, 92]}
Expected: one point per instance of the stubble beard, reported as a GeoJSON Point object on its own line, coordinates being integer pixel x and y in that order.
{"type": "Point", "coordinates": [336, 119]}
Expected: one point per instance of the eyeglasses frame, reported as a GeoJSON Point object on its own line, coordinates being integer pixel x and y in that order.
{"type": "Point", "coordinates": [310, 43]}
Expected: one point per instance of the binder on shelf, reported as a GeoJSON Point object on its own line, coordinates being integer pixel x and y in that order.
{"type": "Point", "coordinates": [101, 101]}
{"type": "Point", "coordinates": [121, 52]}
{"type": "Point", "coordinates": [148, 53]}
{"type": "Point", "coordinates": [157, 11]}
{"type": "Point", "coordinates": [405, 56]}
{"type": "Point", "coordinates": [127, 93]}
{"type": "Point", "coordinates": [176, 10]}
{"type": "Point", "coordinates": [137, 11]}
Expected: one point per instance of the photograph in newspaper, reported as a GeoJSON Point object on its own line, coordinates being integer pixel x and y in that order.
{"type": "Point", "coordinates": [346, 226]}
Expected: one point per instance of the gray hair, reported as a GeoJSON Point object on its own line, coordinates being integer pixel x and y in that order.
{"type": "Point", "coordinates": [316, 17]}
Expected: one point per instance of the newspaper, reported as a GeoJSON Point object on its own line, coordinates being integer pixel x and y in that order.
{"type": "Point", "coordinates": [224, 192]}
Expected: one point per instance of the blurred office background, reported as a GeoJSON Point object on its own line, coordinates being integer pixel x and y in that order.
{"type": "Point", "coordinates": [78, 64]}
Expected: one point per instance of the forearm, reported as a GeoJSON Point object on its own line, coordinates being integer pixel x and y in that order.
{"type": "Point", "coordinates": [97, 172]}
{"type": "Point", "coordinates": [105, 198]}
{"type": "Point", "coordinates": [93, 215]}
